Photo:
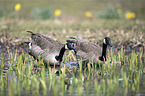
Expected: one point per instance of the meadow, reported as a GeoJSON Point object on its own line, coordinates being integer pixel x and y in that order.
{"type": "Point", "coordinates": [21, 75]}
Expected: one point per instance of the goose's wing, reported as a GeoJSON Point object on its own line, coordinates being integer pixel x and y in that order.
{"type": "Point", "coordinates": [44, 42]}
{"type": "Point", "coordinates": [81, 55]}
{"type": "Point", "coordinates": [52, 41]}
{"type": "Point", "coordinates": [87, 56]}
{"type": "Point", "coordinates": [84, 46]}
{"type": "Point", "coordinates": [44, 47]}
{"type": "Point", "coordinates": [86, 50]}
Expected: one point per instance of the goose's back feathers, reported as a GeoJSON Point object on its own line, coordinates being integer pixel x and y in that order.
{"type": "Point", "coordinates": [44, 47]}
{"type": "Point", "coordinates": [83, 45]}
{"type": "Point", "coordinates": [86, 50]}
{"type": "Point", "coordinates": [44, 42]}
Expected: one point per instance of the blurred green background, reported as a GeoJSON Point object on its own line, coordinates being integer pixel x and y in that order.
{"type": "Point", "coordinates": [73, 8]}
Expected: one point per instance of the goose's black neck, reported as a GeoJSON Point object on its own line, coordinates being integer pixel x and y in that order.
{"type": "Point", "coordinates": [104, 50]}
{"type": "Point", "coordinates": [61, 53]}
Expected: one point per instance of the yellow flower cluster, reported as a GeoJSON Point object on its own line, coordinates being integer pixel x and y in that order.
{"type": "Point", "coordinates": [88, 14]}
{"type": "Point", "coordinates": [18, 7]}
{"type": "Point", "coordinates": [130, 15]}
{"type": "Point", "coordinates": [57, 12]}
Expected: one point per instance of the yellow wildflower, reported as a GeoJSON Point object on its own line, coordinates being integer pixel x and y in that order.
{"type": "Point", "coordinates": [130, 15]}
{"type": "Point", "coordinates": [17, 6]}
{"type": "Point", "coordinates": [57, 12]}
{"type": "Point", "coordinates": [88, 14]}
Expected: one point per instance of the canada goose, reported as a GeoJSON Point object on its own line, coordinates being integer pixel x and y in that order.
{"type": "Point", "coordinates": [49, 50]}
{"type": "Point", "coordinates": [88, 50]}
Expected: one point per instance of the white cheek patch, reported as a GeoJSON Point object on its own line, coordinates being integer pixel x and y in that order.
{"type": "Point", "coordinates": [66, 46]}
{"type": "Point", "coordinates": [30, 45]}
{"type": "Point", "coordinates": [104, 41]}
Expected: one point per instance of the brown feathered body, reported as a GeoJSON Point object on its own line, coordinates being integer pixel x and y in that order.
{"type": "Point", "coordinates": [45, 48]}
{"type": "Point", "coordinates": [86, 50]}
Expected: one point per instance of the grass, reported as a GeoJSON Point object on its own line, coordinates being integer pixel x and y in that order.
{"type": "Point", "coordinates": [118, 30]}
{"type": "Point", "coordinates": [121, 76]}
{"type": "Point", "coordinates": [115, 78]}
{"type": "Point", "coordinates": [19, 75]}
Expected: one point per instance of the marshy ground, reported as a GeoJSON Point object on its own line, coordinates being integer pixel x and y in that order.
{"type": "Point", "coordinates": [20, 74]}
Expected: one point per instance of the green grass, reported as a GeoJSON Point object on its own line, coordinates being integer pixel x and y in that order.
{"type": "Point", "coordinates": [122, 76]}
{"type": "Point", "coordinates": [115, 78]}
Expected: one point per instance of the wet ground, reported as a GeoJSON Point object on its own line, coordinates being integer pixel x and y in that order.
{"type": "Point", "coordinates": [128, 46]}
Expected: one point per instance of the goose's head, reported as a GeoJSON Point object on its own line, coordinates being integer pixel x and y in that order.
{"type": "Point", "coordinates": [67, 46]}
{"type": "Point", "coordinates": [107, 41]}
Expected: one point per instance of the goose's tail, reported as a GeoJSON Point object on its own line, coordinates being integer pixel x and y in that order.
{"type": "Point", "coordinates": [26, 42]}
{"type": "Point", "coordinates": [72, 40]}
{"type": "Point", "coordinates": [29, 32]}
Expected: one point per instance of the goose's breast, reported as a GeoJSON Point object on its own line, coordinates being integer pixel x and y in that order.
{"type": "Point", "coordinates": [51, 58]}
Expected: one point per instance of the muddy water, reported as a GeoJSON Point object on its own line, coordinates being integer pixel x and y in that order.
{"type": "Point", "coordinates": [24, 48]}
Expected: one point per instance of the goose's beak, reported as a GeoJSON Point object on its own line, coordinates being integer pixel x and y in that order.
{"type": "Point", "coordinates": [109, 43]}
